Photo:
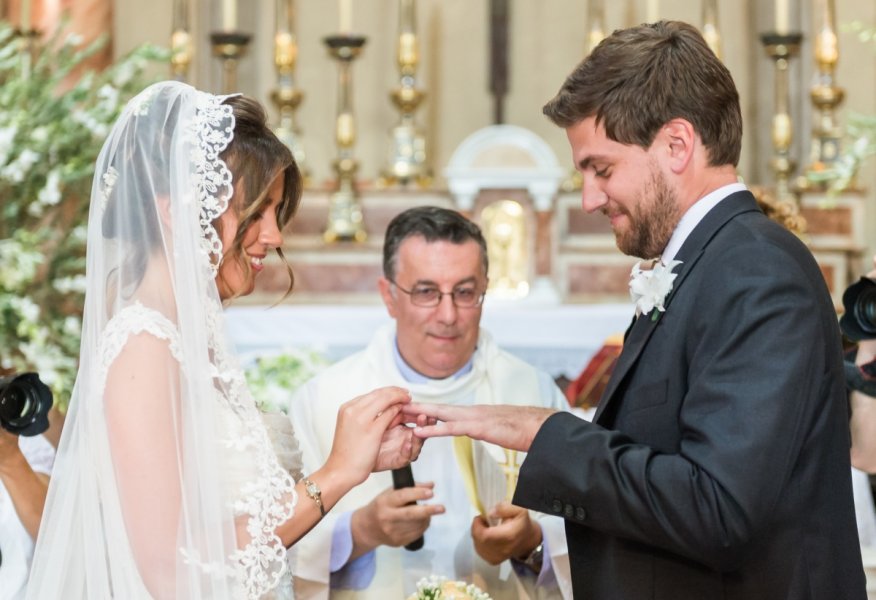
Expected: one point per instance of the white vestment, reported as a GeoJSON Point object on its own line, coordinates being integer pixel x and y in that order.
{"type": "Point", "coordinates": [496, 377]}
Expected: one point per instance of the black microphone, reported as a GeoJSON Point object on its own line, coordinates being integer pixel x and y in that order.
{"type": "Point", "coordinates": [402, 478]}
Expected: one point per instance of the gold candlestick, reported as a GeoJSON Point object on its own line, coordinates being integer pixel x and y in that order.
{"type": "Point", "coordinates": [287, 96]}
{"type": "Point", "coordinates": [180, 54]}
{"type": "Point", "coordinates": [596, 18]}
{"type": "Point", "coordinates": [407, 152]}
{"type": "Point", "coordinates": [180, 41]}
{"type": "Point", "coordinates": [229, 46]}
{"type": "Point", "coordinates": [345, 214]}
{"type": "Point", "coordinates": [825, 95]}
{"type": "Point", "coordinates": [710, 26]}
{"type": "Point", "coordinates": [781, 47]}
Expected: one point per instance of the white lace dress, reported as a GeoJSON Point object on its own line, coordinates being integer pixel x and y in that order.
{"type": "Point", "coordinates": [244, 459]}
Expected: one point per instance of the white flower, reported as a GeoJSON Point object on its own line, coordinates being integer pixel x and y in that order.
{"type": "Point", "coordinates": [40, 134]}
{"type": "Point", "coordinates": [648, 289]}
{"type": "Point", "coordinates": [51, 194]}
{"type": "Point", "coordinates": [439, 588]}
{"type": "Point", "coordinates": [7, 134]}
{"type": "Point", "coordinates": [17, 169]}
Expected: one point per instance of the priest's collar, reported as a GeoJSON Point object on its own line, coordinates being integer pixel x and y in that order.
{"type": "Point", "coordinates": [412, 376]}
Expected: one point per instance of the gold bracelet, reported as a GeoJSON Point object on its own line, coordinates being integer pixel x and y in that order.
{"type": "Point", "coordinates": [315, 494]}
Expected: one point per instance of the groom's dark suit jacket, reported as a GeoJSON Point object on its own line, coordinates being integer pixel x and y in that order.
{"type": "Point", "coordinates": [717, 465]}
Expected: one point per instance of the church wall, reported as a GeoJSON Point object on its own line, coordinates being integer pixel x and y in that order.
{"type": "Point", "coordinates": [547, 39]}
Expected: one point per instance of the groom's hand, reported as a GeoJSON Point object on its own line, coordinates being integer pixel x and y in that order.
{"type": "Point", "coordinates": [391, 520]}
{"type": "Point", "coordinates": [512, 427]}
{"type": "Point", "coordinates": [516, 535]}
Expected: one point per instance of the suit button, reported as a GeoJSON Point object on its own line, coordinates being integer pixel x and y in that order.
{"type": "Point", "coordinates": [580, 513]}
{"type": "Point", "coordinates": [569, 511]}
{"type": "Point", "coordinates": [557, 506]}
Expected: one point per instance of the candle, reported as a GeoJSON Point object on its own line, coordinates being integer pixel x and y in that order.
{"type": "Point", "coordinates": [285, 16]}
{"type": "Point", "coordinates": [180, 15]}
{"type": "Point", "coordinates": [229, 15]}
{"type": "Point", "coordinates": [652, 11]}
{"type": "Point", "coordinates": [345, 7]}
{"type": "Point", "coordinates": [782, 16]}
{"type": "Point", "coordinates": [25, 15]}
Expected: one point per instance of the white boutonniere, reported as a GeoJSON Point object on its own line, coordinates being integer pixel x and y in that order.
{"type": "Point", "coordinates": [649, 288]}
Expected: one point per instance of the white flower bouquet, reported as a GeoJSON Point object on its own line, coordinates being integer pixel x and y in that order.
{"type": "Point", "coordinates": [439, 588]}
{"type": "Point", "coordinates": [52, 125]}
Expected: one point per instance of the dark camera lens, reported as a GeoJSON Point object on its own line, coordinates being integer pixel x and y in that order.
{"type": "Point", "coordinates": [24, 404]}
{"type": "Point", "coordinates": [865, 310]}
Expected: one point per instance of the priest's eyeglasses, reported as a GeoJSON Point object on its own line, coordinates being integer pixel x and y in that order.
{"type": "Point", "coordinates": [429, 296]}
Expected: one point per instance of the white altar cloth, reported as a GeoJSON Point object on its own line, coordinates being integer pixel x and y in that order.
{"type": "Point", "coordinates": [559, 339]}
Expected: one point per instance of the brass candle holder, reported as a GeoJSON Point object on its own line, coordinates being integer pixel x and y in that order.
{"type": "Point", "coordinates": [229, 47]}
{"type": "Point", "coordinates": [596, 25]}
{"type": "Point", "coordinates": [711, 33]}
{"type": "Point", "coordinates": [180, 54]}
{"type": "Point", "coordinates": [287, 97]}
{"type": "Point", "coordinates": [781, 47]}
{"type": "Point", "coordinates": [407, 153]}
{"type": "Point", "coordinates": [345, 214]}
{"type": "Point", "coordinates": [825, 95]}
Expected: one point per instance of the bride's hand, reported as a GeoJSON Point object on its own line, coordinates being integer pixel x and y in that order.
{"type": "Point", "coordinates": [360, 431]}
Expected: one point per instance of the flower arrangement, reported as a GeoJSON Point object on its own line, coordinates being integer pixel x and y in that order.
{"type": "Point", "coordinates": [439, 588]}
{"type": "Point", "coordinates": [273, 378]}
{"type": "Point", "coordinates": [52, 126]}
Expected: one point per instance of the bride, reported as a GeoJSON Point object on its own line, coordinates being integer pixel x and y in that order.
{"type": "Point", "coordinates": [166, 483]}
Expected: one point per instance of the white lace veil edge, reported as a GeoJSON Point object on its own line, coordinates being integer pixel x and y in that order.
{"type": "Point", "coordinates": [165, 481]}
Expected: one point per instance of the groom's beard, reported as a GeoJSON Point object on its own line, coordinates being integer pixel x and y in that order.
{"type": "Point", "coordinates": [652, 221]}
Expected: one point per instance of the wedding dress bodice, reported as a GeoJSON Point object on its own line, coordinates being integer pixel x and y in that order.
{"type": "Point", "coordinates": [240, 436]}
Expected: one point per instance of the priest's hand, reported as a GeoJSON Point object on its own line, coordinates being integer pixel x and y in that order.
{"type": "Point", "coordinates": [512, 427]}
{"type": "Point", "coordinates": [391, 520]}
{"type": "Point", "coordinates": [515, 536]}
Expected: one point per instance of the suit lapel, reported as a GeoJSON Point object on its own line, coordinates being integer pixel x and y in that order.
{"type": "Point", "coordinates": [689, 254]}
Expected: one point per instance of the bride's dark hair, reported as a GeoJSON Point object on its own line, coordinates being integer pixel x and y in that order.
{"type": "Point", "coordinates": [256, 157]}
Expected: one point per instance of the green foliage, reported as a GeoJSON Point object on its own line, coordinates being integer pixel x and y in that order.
{"type": "Point", "coordinates": [52, 125]}
{"type": "Point", "coordinates": [273, 378]}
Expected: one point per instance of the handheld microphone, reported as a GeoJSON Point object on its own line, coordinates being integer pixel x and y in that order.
{"type": "Point", "coordinates": [402, 478]}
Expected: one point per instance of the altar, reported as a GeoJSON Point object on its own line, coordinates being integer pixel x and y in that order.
{"type": "Point", "coordinates": [558, 339]}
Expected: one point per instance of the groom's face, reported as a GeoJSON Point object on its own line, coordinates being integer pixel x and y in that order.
{"type": "Point", "coordinates": [628, 185]}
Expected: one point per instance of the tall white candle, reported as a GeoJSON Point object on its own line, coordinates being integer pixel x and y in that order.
{"type": "Point", "coordinates": [25, 15]}
{"type": "Point", "coordinates": [229, 15]}
{"type": "Point", "coordinates": [345, 8]}
{"type": "Point", "coordinates": [782, 15]}
{"type": "Point", "coordinates": [652, 11]}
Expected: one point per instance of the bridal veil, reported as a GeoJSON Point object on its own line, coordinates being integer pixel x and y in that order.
{"type": "Point", "coordinates": [165, 484]}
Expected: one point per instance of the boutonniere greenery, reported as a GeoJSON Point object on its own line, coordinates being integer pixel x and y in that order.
{"type": "Point", "coordinates": [650, 287]}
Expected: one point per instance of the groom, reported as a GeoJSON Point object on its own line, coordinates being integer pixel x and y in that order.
{"type": "Point", "coordinates": [717, 465]}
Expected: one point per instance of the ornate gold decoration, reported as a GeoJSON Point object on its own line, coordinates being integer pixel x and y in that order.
{"type": "Point", "coordinates": [345, 213]}
{"type": "Point", "coordinates": [710, 26]}
{"type": "Point", "coordinates": [229, 47]}
{"type": "Point", "coordinates": [407, 152]}
{"type": "Point", "coordinates": [504, 226]}
{"type": "Point", "coordinates": [287, 96]}
{"type": "Point", "coordinates": [825, 95]}
{"type": "Point", "coordinates": [781, 48]}
{"type": "Point", "coordinates": [181, 50]}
